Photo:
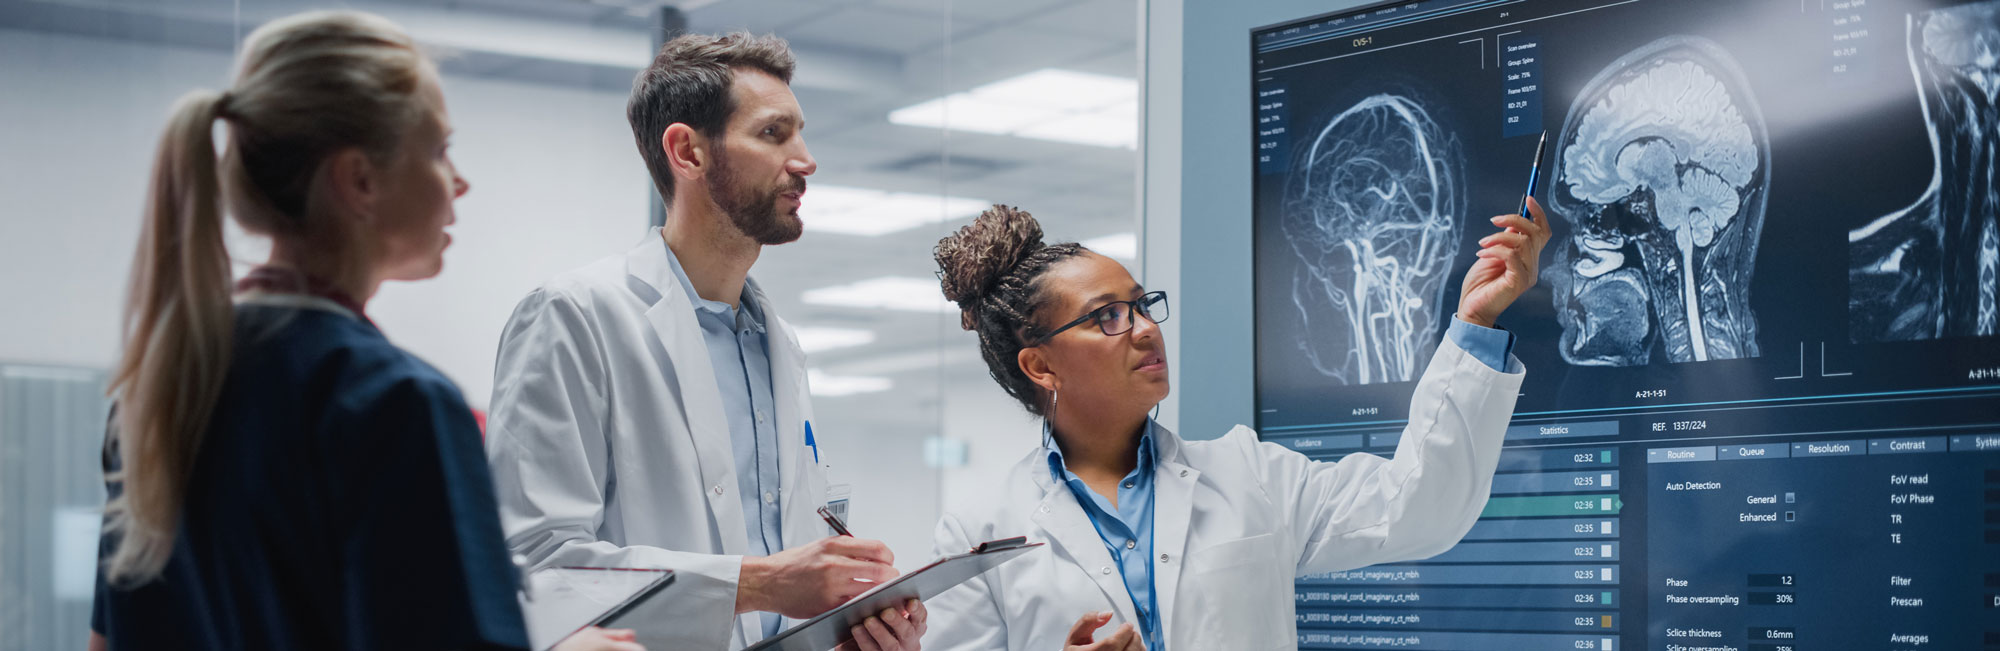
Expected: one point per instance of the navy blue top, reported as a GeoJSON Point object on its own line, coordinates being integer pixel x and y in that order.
{"type": "Point", "coordinates": [340, 500]}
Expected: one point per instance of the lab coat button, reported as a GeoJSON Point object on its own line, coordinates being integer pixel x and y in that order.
{"type": "Point", "coordinates": [1104, 570]}
{"type": "Point", "coordinates": [718, 489]}
{"type": "Point", "coordinates": [1183, 472]}
{"type": "Point", "coordinates": [1163, 558]}
{"type": "Point", "coordinates": [1131, 543]}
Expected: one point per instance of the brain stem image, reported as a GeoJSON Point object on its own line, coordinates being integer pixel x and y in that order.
{"type": "Point", "coordinates": [1928, 271]}
{"type": "Point", "coordinates": [1374, 211]}
{"type": "Point", "coordinates": [1662, 173]}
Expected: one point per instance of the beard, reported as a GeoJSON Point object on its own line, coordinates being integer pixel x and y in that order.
{"type": "Point", "coordinates": [755, 211]}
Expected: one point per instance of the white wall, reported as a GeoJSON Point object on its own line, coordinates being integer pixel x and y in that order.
{"type": "Point", "coordinates": [555, 179]}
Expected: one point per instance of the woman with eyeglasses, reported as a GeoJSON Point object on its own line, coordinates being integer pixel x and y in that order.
{"type": "Point", "coordinates": [1193, 544]}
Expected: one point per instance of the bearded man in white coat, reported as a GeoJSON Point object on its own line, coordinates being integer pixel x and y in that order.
{"type": "Point", "coordinates": [651, 409]}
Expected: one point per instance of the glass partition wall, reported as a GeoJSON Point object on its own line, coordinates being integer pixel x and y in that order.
{"type": "Point", "coordinates": [921, 113]}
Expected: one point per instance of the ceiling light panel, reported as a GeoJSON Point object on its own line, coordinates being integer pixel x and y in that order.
{"type": "Point", "coordinates": [844, 385]}
{"type": "Point", "coordinates": [816, 340]}
{"type": "Point", "coordinates": [1047, 104]}
{"type": "Point", "coordinates": [1124, 246]}
{"type": "Point", "coordinates": [887, 293]}
{"type": "Point", "coordinates": [866, 212]}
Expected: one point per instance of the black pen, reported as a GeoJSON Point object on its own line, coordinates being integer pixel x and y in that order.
{"type": "Point", "coordinates": [1534, 174]}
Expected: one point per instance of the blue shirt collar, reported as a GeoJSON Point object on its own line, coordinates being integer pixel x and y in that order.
{"type": "Point", "coordinates": [1059, 469]}
{"type": "Point", "coordinates": [751, 315]}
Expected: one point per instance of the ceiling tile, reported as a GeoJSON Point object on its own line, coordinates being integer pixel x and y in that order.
{"type": "Point", "coordinates": [1109, 19]}
{"type": "Point", "coordinates": [974, 11]}
{"type": "Point", "coordinates": [759, 16]}
{"type": "Point", "coordinates": [873, 28]}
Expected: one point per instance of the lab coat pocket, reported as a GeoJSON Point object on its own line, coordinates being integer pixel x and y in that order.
{"type": "Point", "coordinates": [1236, 595]}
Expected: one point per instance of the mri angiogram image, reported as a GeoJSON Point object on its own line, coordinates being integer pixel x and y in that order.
{"type": "Point", "coordinates": [1374, 212]}
{"type": "Point", "coordinates": [1929, 270]}
{"type": "Point", "coordinates": [1662, 173]}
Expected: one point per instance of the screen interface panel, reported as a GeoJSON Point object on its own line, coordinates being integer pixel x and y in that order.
{"type": "Point", "coordinates": [1762, 409]}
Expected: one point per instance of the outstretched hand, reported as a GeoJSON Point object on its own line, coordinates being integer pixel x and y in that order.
{"type": "Point", "coordinates": [1126, 638]}
{"type": "Point", "coordinates": [1508, 263]}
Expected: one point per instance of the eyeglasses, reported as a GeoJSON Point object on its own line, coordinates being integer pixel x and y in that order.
{"type": "Point", "coordinates": [1115, 318]}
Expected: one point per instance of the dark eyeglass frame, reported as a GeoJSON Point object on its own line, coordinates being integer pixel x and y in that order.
{"type": "Point", "coordinates": [1137, 306]}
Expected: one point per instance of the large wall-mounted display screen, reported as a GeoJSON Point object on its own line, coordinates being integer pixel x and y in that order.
{"type": "Point", "coordinates": [1762, 410]}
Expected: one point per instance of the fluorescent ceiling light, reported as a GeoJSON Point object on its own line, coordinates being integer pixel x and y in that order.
{"type": "Point", "coordinates": [1124, 246]}
{"type": "Point", "coordinates": [1060, 89]}
{"type": "Point", "coordinates": [1047, 104]}
{"type": "Point", "coordinates": [838, 385]}
{"type": "Point", "coordinates": [816, 340]}
{"type": "Point", "coordinates": [887, 293]}
{"type": "Point", "coordinates": [862, 211]}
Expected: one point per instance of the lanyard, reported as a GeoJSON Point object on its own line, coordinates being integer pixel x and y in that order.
{"type": "Point", "coordinates": [279, 280]}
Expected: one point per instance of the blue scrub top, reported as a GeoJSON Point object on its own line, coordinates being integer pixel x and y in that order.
{"type": "Point", "coordinates": [341, 500]}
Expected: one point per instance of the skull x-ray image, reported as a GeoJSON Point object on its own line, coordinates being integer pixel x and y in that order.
{"type": "Point", "coordinates": [1929, 270]}
{"type": "Point", "coordinates": [1661, 176]}
{"type": "Point", "coordinates": [1374, 211]}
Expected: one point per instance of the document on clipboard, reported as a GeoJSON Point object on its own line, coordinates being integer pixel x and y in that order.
{"type": "Point", "coordinates": [832, 628]}
{"type": "Point", "coordinates": [558, 601]}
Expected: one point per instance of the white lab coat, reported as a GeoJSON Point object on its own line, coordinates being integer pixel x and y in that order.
{"type": "Point", "coordinates": [1235, 521]}
{"type": "Point", "coordinates": [610, 447]}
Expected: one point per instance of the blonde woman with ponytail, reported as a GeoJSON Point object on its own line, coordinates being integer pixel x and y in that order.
{"type": "Point", "coordinates": [281, 476]}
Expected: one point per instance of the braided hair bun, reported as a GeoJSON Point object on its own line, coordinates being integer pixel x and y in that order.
{"type": "Point", "coordinates": [990, 268]}
{"type": "Point", "coordinates": [974, 259]}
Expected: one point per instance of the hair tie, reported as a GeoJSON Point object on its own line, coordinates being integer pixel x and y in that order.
{"type": "Point", "coordinates": [222, 102]}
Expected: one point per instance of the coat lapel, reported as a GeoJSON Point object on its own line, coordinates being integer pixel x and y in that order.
{"type": "Point", "coordinates": [1173, 507]}
{"type": "Point", "coordinates": [686, 357]}
{"type": "Point", "coordinates": [1062, 518]}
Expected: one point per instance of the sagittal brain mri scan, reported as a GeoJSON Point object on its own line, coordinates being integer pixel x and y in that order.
{"type": "Point", "coordinates": [1659, 178]}
{"type": "Point", "coordinates": [1374, 216]}
{"type": "Point", "coordinates": [1930, 270]}
{"type": "Point", "coordinates": [1761, 402]}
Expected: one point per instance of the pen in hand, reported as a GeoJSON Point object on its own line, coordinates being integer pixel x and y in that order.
{"type": "Point", "coordinates": [1534, 174]}
{"type": "Point", "coordinates": [831, 521]}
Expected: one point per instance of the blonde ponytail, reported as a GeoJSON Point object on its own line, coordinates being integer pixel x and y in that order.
{"type": "Point", "coordinates": [178, 323]}
{"type": "Point", "coordinates": [307, 86]}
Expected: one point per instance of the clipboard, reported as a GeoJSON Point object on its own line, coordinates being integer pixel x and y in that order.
{"type": "Point", "coordinates": [559, 601]}
{"type": "Point", "coordinates": [831, 628]}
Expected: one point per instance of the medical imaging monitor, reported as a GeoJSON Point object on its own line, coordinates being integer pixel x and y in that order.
{"type": "Point", "coordinates": [1762, 409]}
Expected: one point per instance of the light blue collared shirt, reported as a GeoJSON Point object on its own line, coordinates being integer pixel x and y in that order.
{"type": "Point", "coordinates": [1493, 346]}
{"type": "Point", "coordinates": [1126, 529]}
{"type": "Point", "coordinates": [741, 357]}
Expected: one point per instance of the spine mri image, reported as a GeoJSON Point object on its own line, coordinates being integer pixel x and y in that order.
{"type": "Point", "coordinates": [1374, 210]}
{"type": "Point", "coordinates": [1660, 182]}
{"type": "Point", "coordinates": [1928, 271]}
